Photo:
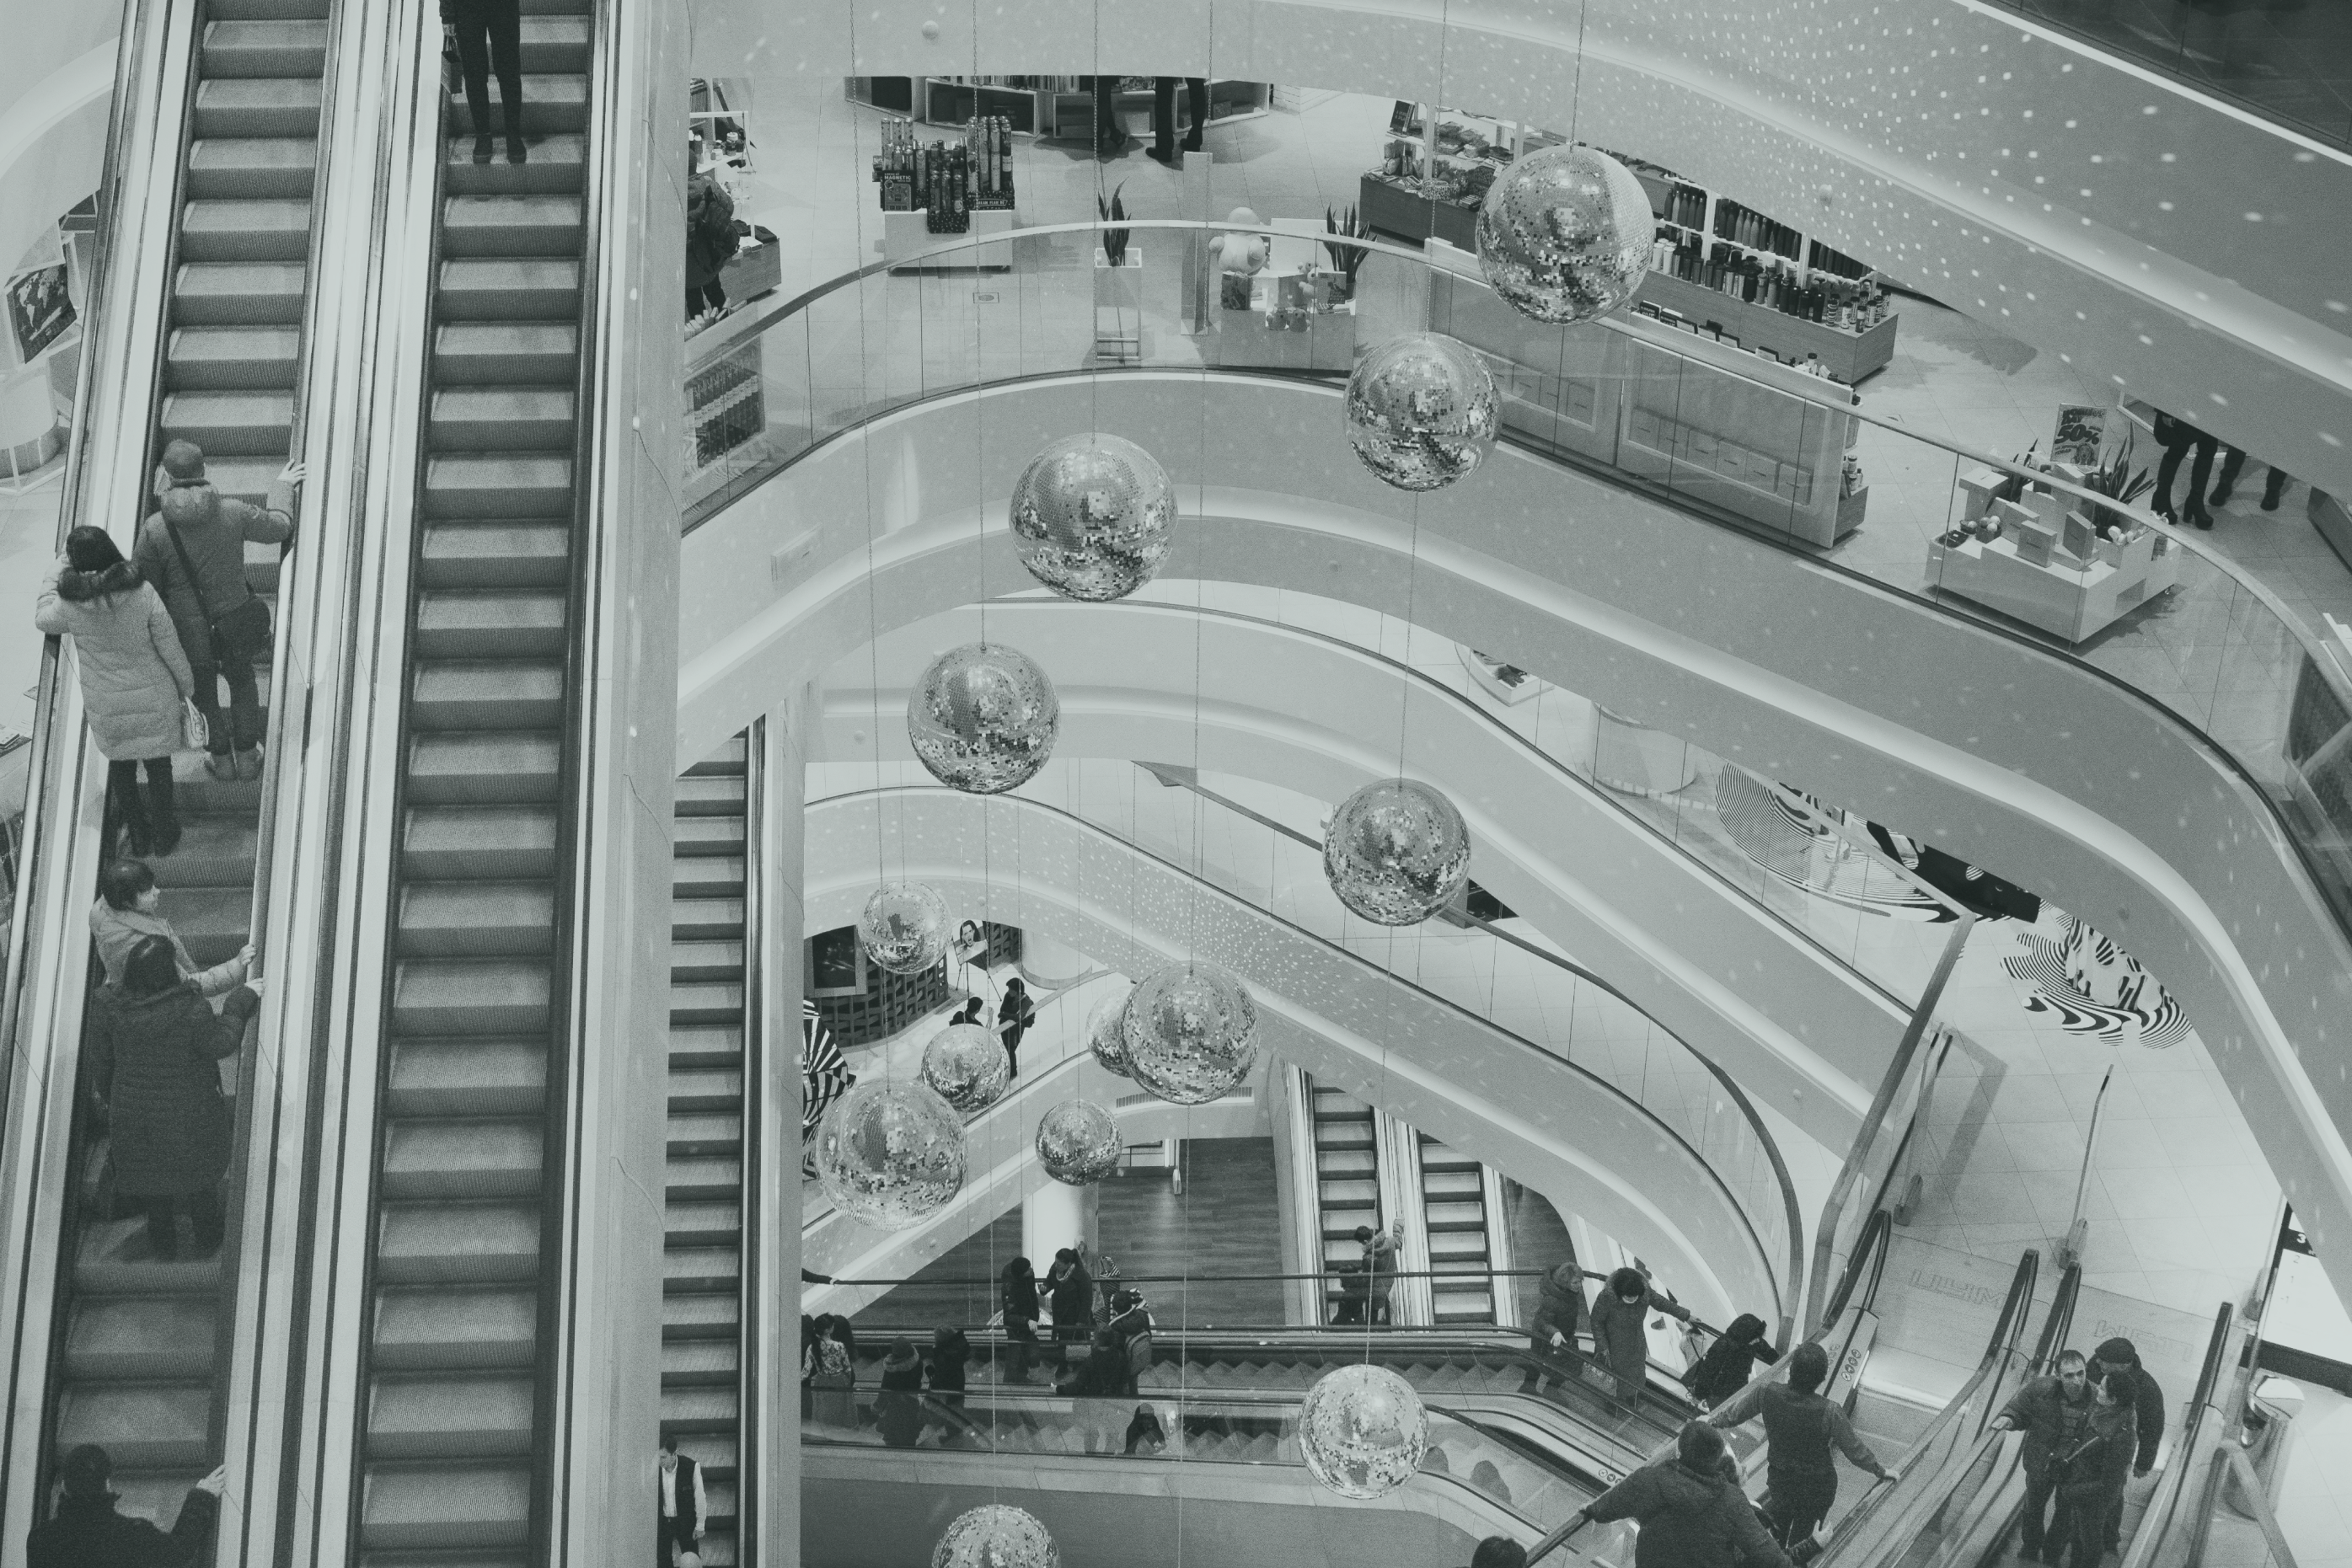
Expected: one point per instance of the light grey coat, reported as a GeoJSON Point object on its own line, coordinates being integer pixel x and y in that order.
{"type": "Point", "coordinates": [133, 674]}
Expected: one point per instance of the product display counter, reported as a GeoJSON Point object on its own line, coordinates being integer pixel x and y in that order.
{"type": "Point", "coordinates": [2036, 559]}
{"type": "Point", "coordinates": [905, 235]}
{"type": "Point", "coordinates": [1848, 356]}
{"type": "Point", "coordinates": [1290, 320]}
{"type": "Point", "coordinates": [1758, 439]}
{"type": "Point", "coordinates": [1396, 206]}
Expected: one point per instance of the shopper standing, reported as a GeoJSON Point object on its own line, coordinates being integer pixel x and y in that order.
{"type": "Point", "coordinates": [2118, 1362]}
{"type": "Point", "coordinates": [2178, 437]}
{"type": "Point", "coordinates": [1014, 1014]}
{"type": "Point", "coordinates": [951, 1356]}
{"type": "Point", "coordinates": [1560, 1313]}
{"type": "Point", "coordinates": [1018, 1288]}
{"type": "Point", "coordinates": [710, 239]}
{"type": "Point", "coordinates": [85, 1532]}
{"type": "Point", "coordinates": [1073, 1295]}
{"type": "Point", "coordinates": [2094, 1469]}
{"type": "Point", "coordinates": [153, 1042]}
{"type": "Point", "coordinates": [1800, 1428]}
{"type": "Point", "coordinates": [1691, 1515]}
{"type": "Point", "coordinates": [680, 1506]}
{"type": "Point", "coordinates": [2234, 463]}
{"type": "Point", "coordinates": [1619, 1340]}
{"type": "Point", "coordinates": [2051, 1412]}
{"type": "Point", "coordinates": [134, 678]}
{"type": "Point", "coordinates": [129, 909]}
{"type": "Point", "coordinates": [899, 1409]}
{"type": "Point", "coordinates": [193, 551]}
{"type": "Point", "coordinates": [488, 34]}
{"type": "Point", "coordinates": [1163, 117]}
{"type": "Point", "coordinates": [1725, 1369]}
{"type": "Point", "coordinates": [1380, 1250]}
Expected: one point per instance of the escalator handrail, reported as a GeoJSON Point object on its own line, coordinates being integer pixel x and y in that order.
{"type": "Point", "coordinates": [752, 1330]}
{"type": "Point", "coordinates": [1594, 1080]}
{"type": "Point", "coordinates": [2204, 1424]}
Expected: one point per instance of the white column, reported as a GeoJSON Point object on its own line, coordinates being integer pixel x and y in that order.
{"type": "Point", "coordinates": [1056, 962]}
{"type": "Point", "coordinates": [1053, 1217]}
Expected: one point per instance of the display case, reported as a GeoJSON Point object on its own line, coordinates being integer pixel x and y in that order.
{"type": "Point", "coordinates": [1436, 168]}
{"type": "Point", "coordinates": [1287, 316]}
{"type": "Point", "coordinates": [1065, 109]}
{"type": "Point", "coordinates": [2030, 555]}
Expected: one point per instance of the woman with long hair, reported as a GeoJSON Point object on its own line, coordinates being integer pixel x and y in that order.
{"type": "Point", "coordinates": [134, 678]}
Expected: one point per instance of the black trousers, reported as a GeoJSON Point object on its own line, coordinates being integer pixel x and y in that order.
{"type": "Point", "coordinates": [2234, 463]}
{"type": "Point", "coordinates": [668, 1534]}
{"type": "Point", "coordinates": [2039, 1533]}
{"type": "Point", "coordinates": [204, 1211]}
{"type": "Point", "coordinates": [2199, 473]}
{"type": "Point", "coordinates": [242, 727]}
{"type": "Point", "coordinates": [1163, 113]}
{"type": "Point", "coordinates": [1799, 1505]}
{"type": "Point", "coordinates": [485, 45]}
{"type": "Point", "coordinates": [149, 815]}
{"type": "Point", "coordinates": [1107, 135]}
{"type": "Point", "coordinates": [704, 296]}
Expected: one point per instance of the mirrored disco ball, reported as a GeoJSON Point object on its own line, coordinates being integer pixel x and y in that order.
{"type": "Point", "coordinates": [1191, 1032]}
{"type": "Point", "coordinates": [1106, 1034]}
{"type": "Point", "coordinates": [967, 1066]}
{"type": "Point", "coordinates": [890, 1153]}
{"type": "Point", "coordinates": [983, 718]}
{"type": "Point", "coordinates": [1422, 411]}
{"type": "Point", "coordinates": [1564, 233]}
{"type": "Point", "coordinates": [1397, 852]}
{"type": "Point", "coordinates": [1092, 516]}
{"type": "Point", "coordinates": [1362, 1430]}
{"type": "Point", "coordinates": [1077, 1143]}
{"type": "Point", "coordinates": [905, 928]}
{"type": "Point", "coordinates": [996, 1535]}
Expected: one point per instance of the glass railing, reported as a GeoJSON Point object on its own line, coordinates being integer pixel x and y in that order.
{"type": "Point", "coordinates": [1567, 1016]}
{"type": "Point", "coordinates": [2289, 63]}
{"type": "Point", "coordinates": [1235, 1427]}
{"type": "Point", "coordinates": [1735, 437]}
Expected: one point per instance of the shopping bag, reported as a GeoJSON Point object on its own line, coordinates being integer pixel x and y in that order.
{"type": "Point", "coordinates": [196, 733]}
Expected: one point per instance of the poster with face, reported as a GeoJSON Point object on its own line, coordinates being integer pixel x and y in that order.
{"type": "Point", "coordinates": [38, 310]}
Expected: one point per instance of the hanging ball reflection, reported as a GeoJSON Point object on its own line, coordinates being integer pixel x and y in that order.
{"type": "Point", "coordinates": [1422, 411]}
{"type": "Point", "coordinates": [1191, 1032]}
{"type": "Point", "coordinates": [1078, 1143]}
{"type": "Point", "coordinates": [1397, 852]}
{"type": "Point", "coordinates": [1106, 1034]}
{"type": "Point", "coordinates": [996, 1535]}
{"type": "Point", "coordinates": [1564, 233]}
{"type": "Point", "coordinates": [967, 1066]}
{"type": "Point", "coordinates": [983, 718]}
{"type": "Point", "coordinates": [1362, 1431]}
{"type": "Point", "coordinates": [905, 928]}
{"type": "Point", "coordinates": [890, 1153]}
{"type": "Point", "coordinates": [1093, 516]}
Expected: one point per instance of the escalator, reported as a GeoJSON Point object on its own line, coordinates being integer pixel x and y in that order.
{"type": "Point", "coordinates": [702, 1256]}
{"type": "Point", "coordinates": [1464, 1236]}
{"type": "Point", "coordinates": [139, 1355]}
{"type": "Point", "coordinates": [455, 1368]}
{"type": "Point", "coordinates": [1347, 1179]}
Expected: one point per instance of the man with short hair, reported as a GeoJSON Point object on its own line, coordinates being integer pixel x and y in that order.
{"type": "Point", "coordinates": [86, 1532]}
{"type": "Point", "coordinates": [682, 1508]}
{"type": "Point", "coordinates": [2138, 1392]}
{"type": "Point", "coordinates": [1800, 1428]}
{"type": "Point", "coordinates": [2051, 1412]}
{"type": "Point", "coordinates": [1691, 1515]}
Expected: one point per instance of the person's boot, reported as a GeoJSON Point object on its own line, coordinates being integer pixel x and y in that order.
{"type": "Point", "coordinates": [163, 812]}
{"type": "Point", "coordinates": [516, 151]}
{"type": "Point", "coordinates": [248, 762]}
{"type": "Point", "coordinates": [484, 145]}
{"type": "Point", "coordinates": [221, 765]}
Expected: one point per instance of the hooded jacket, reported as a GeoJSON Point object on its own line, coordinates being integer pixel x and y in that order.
{"type": "Point", "coordinates": [1688, 1520]}
{"type": "Point", "coordinates": [215, 528]}
{"type": "Point", "coordinates": [154, 1059]}
{"type": "Point", "coordinates": [1617, 1336]}
{"type": "Point", "coordinates": [134, 673]}
{"type": "Point", "coordinates": [1559, 1302]}
{"type": "Point", "coordinates": [114, 932]}
{"type": "Point", "coordinates": [1724, 1370]}
{"type": "Point", "coordinates": [86, 1532]}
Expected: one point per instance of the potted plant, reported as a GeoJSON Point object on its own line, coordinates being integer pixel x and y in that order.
{"type": "Point", "coordinates": [1346, 259]}
{"type": "Point", "coordinates": [2115, 479]}
{"type": "Point", "coordinates": [1119, 286]}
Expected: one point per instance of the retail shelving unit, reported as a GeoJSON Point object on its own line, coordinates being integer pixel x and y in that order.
{"type": "Point", "coordinates": [1056, 108]}
{"type": "Point", "coordinates": [1436, 168]}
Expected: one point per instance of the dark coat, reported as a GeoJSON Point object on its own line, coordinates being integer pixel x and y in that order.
{"type": "Point", "coordinates": [153, 1060]}
{"type": "Point", "coordinates": [948, 1365]}
{"type": "Point", "coordinates": [689, 1522]}
{"type": "Point", "coordinates": [1020, 1301]}
{"type": "Point", "coordinates": [2101, 1459]}
{"type": "Point", "coordinates": [1688, 1520]}
{"type": "Point", "coordinates": [1723, 1370]}
{"type": "Point", "coordinates": [1073, 1298]}
{"type": "Point", "coordinates": [1801, 1428]}
{"type": "Point", "coordinates": [708, 207]}
{"type": "Point", "coordinates": [2145, 1401]}
{"type": "Point", "coordinates": [86, 1534]}
{"type": "Point", "coordinates": [1618, 1338]}
{"type": "Point", "coordinates": [2040, 1411]}
{"type": "Point", "coordinates": [899, 1409]}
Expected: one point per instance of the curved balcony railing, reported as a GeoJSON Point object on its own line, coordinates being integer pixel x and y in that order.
{"type": "Point", "coordinates": [1625, 396]}
{"type": "Point", "coordinates": [1626, 1056]}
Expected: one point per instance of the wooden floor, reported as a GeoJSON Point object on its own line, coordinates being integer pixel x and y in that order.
{"type": "Point", "coordinates": [1538, 1239]}
{"type": "Point", "coordinates": [1224, 1223]}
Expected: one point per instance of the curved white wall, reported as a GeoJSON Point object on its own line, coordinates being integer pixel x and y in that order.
{"type": "Point", "coordinates": [2083, 205]}
{"type": "Point", "coordinates": [1797, 1031]}
{"type": "Point", "coordinates": [1988, 747]}
{"type": "Point", "coordinates": [1530, 1115]}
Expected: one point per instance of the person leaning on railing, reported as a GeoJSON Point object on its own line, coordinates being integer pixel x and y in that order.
{"type": "Point", "coordinates": [1800, 1428]}
{"type": "Point", "coordinates": [1692, 1512]}
{"type": "Point", "coordinates": [1618, 1337]}
{"type": "Point", "coordinates": [2051, 1412]}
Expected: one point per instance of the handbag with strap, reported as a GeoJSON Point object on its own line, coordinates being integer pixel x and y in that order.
{"type": "Point", "coordinates": [244, 628]}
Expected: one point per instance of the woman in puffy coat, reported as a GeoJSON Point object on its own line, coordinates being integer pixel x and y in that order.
{"type": "Point", "coordinates": [134, 677]}
{"type": "Point", "coordinates": [129, 908]}
{"type": "Point", "coordinates": [153, 1044]}
{"type": "Point", "coordinates": [1618, 1339]}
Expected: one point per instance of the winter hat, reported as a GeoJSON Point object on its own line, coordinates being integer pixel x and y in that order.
{"type": "Point", "coordinates": [184, 462]}
{"type": "Point", "coordinates": [2118, 1353]}
{"type": "Point", "coordinates": [901, 1356]}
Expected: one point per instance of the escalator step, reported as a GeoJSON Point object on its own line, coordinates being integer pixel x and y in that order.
{"type": "Point", "coordinates": [141, 1426]}
{"type": "Point", "coordinates": [278, 107]}
{"type": "Point", "coordinates": [558, 164]}
{"type": "Point", "coordinates": [238, 359]}
{"type": "Point", "coordinates": [489, 624]}
{"type": "Point", "coordinates": [450, 1508]}
{"type": "Point", "coordinates": [503, 419]}
{"type": "Point", "coordinates": [710, 795]}
{"type": "Point", "coordinates": [478, 1327]}
{"type": "Point", "coordinates": [476, 919]}
{"type": "Point", "coordinates": [500, 1076]}
{"type": "Point", "coordinates": [506, 353]}
{"type": "Point", "coordinates": [717, 1003]}
{"type": "Point", "coordinates": [265, 10]}
{"type": "Point", "coordinates": [232, 423]}
{"type": "Point", "coordinates": [271, 49]}
{"type": "Point", "coordinates": [550, 102]}
{"type": "Point", "coordinates": [504, 695]}
{"type": "Point", "coordinates": [494, 552]}
{"type": "Point", "coordinates": [260, 230]}
{"type": "Point", "coordinates": [483, 768]}
{"type": "Point", "coordinates": [464, 842]}
{"type": "Point", "coordinates": [469, 996]}
{"type": "Point", "coordinates": [708, 1044]}
{"type": "Point", "coordinates": [426, 1417]}
{"type": "Point", "coordinates": [468, 1158]}
{"type": "Point", "coordinates": [704, 919]}
{"type": "Point", "coordinates": [215, 852]}
{"type": "Point", "coordinates": [458, 1244]}
{"type": "Point", "coordinates": [134, 1339]}
{"type": "Point", "coordinates": [238, 294]}
{"type": "Point", "coordinates": [706, 1088]}
{"type": "Point", "coordinates": [505, 487]}
{"type": "Point", "coordinates": [509, 288]}
{"type": "Point", "coordinates": [694, 962]}
{"type": "Point", "coordinates": [512, 226]}
{"type": "Point", "coordinates": [253, 167]}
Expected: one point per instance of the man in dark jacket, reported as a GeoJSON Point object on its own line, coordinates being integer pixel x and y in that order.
{"type": "Point", "coordinates": [2051, 1412]}
{"type": "Point", "coordinates": [679, 1505]}
{"type": "Point", "coordinates": [1073, 1292]}
{"type": "Point", "coordinates": [2137, 1393]}
{"type": "Point", "coordinates": [86, 1532]}
{"type": "Point", "coordinates": [1800, 1428]}
{"type": "Point", "coordinates": [2091, 1494]}
{"type": "Point", "coordinates": [193, 551]}
{"type": "Point", "coordinates": [1691, 1516]}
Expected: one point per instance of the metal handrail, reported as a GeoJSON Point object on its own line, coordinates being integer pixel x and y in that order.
{"type": "Point", "coordinates": [1601, 1084]}
{"type": "Point", "coordinates": [731, 334]}
{"type": "Point", "coordinates": [751, 1281]}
